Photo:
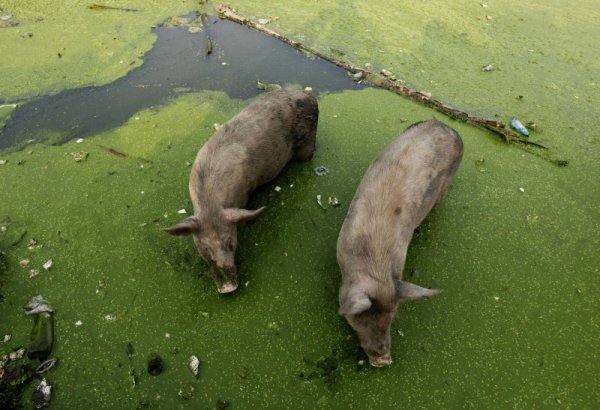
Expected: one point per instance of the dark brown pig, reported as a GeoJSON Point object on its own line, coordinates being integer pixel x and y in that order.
{"type": "Point", "coordinates": [396, 193]}
{"type": "Point", "coordinates": [248, 151]}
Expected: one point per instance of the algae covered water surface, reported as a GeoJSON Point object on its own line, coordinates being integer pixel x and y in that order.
{"type": "Point", "coordinates": [513, 244]}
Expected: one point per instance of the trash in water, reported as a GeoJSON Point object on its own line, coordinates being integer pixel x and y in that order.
{"type": "Point", "coordinates": [17, 354]}
{"type": "Point", "coordinates": [48, 264]}
{"type": "Point", "coordinates": [41, 395]}
{"type": "Point", "coordinates": [182, 211]}
{"type": "Point", "coordinates": [47, 365]}
{"type": "Point", "coordinates": [334, 202]}
{"type": "Point", "coordinates": [194, 29]}
{"type": "Point", "coordinates": [42, 334]}
{"type": "Point", "coordinates": [131, 378]}
{"type": "Point", "coordinates": [24, 262]}
{"type": "Point", "coordinates": [79, 156]}
{"type": "Point", "coordinates": [488, 67]}
{"type": "Point", "coordinates": [517, 125]}
{"type": "Point", "coordinates": [186, 391]}
{"type": "Point", "coordinates": [155, 365]}
{"type": "Point", "coordinates": [308, 90]}
{"type": "Point", "coordinates": [95, 6]}
{"type": "Point", "coordinates": [26, 34]}
{"type": "Point", "coordinates": [216, 126]}
{"type": "Point", "coordinates": [194, 365]}
{"type": "Point", "coordinates": [267, 86]}
{"type": "Point", "coordinates": [78, 323]}
{"type": "Point", "coordinates": [357, 76]}
{"type": "Point", "coordinates": [321, 171]}
{"type": "Point", "coordinates": [522, 189]}
{"type": "Point", "coordinates": [33, 273]}
{"type": "Point", "coordinates": [264, 21]}
{"type": "Point", "coordinates": [277, 188]}
{"type": "Point", "coordinates": [388, 74]}
{"type": "Point", "coordinates": [38, 305]}
{"type": "Point", "coordinates": [6, 338]}
{"type": "Point", "coordinates": [3, 162]}
{"type": "Point", "coordinates": [79, 140]}
{"type": "Point", "coordinates": [110, 317]}
{"type": "Point", "coordinates": [319, 202]}
{"type": "Point", "coordinates": [479, 164]}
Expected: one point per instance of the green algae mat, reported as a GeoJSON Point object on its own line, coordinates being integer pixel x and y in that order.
{"type": "Point", "coordinates": [514, 244]}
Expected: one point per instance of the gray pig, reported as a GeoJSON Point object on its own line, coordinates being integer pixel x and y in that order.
{"type": "Point", "coordinates": [248, 151]}
{"type": "Point", "coordinates": [396, 193]}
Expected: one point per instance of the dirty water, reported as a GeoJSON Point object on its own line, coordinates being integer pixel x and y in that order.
{"type": "Point", "coordinates": [513, 244]}
{"type": "Point", "coordinates": [177, 63]}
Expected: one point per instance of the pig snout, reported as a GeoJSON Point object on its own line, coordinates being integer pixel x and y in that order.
{"type": "Point", "coordinates": [380, 361]}
{"type": "Point", "coordinates": [225, 277]}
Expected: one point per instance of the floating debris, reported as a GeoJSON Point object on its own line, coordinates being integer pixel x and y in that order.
{"type": "Point", "coordinates": [264, 21]}
{"type": "Point", "coordinates": [194, 29]}
{"type": "Point", "coordinates": [41, 395]}
{"type": "Point", "coordinates": [517, 125]}
{"type": "Point", "coordinates": [308, 90]}
{"type": "Point", "coordinates": [79, 156]}
{"type": "Point", "coordinates": [182, 211]}
{"type": "Point", "coordinates": [216, 126]}
{"type": "Point", "coordinates": [6, 20]}
{"type": "Point", "coordinates": [532, 219]}
{"type": "Point", "coordinates": [47, 365]}
{"type": "Point", "coordinates": [17, 354]}
{"type": "Point", "coordinates": [24, 262]}
{"type": "Point", "coordinates": [95, 6]}
{"type": "Point", "coordinates": [267, 86]}
{"type": "Point", "coordinates": [522, 189]}
{"type": "Point", "coordinates": [357, 76]}
{"type": "Point", "coordinates": [42, 334]}
{"type": "Point", "coordinates": [26, 34]}
{"type": "Point", "coordinates": [194, 365]}
{"type": "Point", "coordinates": [79, 140]}
{"type": "Point", "coordinates": [186, 391]}
{"type": "Point", "coordinates": [488, 67]}
{"type": "Point", "coordinates": [388, 74]}
{"type": "Point", "coordinates": [38, 305]}
{"type": "Point", "coordinates": [6, 338]}
{"type": "Point", "coordinates": [78, 323]}
{"type": "Point", "coordinates": [33, 273]}
{"type": "Point", "coordinates": [131, 378]}
{"type": "Point", "coordinates": [277, 188]}
{"type": "Point", "coordinates": [319, 202]}
{"type": "Point", "coordinates": [3, 162]}
{"type": "Point", "coordinates": [479, 164]}
{"type": "Point", "coordinates": [206, 315]}
{"type": "Point", "coordinates": [110, 318]}
{"type": "Point", "coordinates": [334, 202]}
{"type": "Point", "coordinates": [48, 264]}
{"type": "Point", "coordinates": [321, 171]}
{"type": "Point", "coordinates": [155, 365]}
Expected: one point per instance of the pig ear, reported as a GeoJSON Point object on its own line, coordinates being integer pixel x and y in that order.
{"type": "Point", "coordinates": [409, 291]}
{"type": "Point", "coordinates": [236, 215]}
{"type": "Point", "coordinates": [355, 303]}
{"type": "Point", "coordinates": [185, 227]}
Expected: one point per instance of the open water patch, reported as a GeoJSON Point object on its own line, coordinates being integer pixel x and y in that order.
{"type": "Point", "coordinates": [178, 62]}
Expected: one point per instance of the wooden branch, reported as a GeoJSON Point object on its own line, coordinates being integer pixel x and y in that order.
{"type": "Point", "coordinates": [398, 87]}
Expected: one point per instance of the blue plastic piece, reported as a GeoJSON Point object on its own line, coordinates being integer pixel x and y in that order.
{"type": "Point", "coordinates": [517, 125]}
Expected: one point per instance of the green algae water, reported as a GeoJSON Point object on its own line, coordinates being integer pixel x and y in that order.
{"type": "Point", "coordinates": [513, 244]}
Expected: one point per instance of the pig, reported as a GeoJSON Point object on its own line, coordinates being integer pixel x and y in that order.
{"type": "Point", "coordinates": [397, 192]}
{"type": "Point", "coordinates": [249, 150]}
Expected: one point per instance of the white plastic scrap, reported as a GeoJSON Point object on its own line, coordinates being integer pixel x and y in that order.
{"type": "Point", "coordinates": [182, 211]}
{"type": "Point", "coordinates": [6, 338]}
{"type": "Point", "coordinates": [194, 365]}
{"type": "Point", "coordinates": [49, 263]}
{"type": "Point", "coordinates": [78, 323]}
{"type": "Point", "coordinates": [42, 395]}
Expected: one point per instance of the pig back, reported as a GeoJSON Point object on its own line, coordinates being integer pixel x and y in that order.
{"type": "Point", "coordinates": [249, 150]}
{"type": "Point", "coordinates": [396, 193]}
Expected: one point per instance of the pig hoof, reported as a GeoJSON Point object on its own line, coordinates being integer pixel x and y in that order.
{"type": "Point", "coordinates": [381, 362]}
{"type": "Point", "coordinates": [227, 288]}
